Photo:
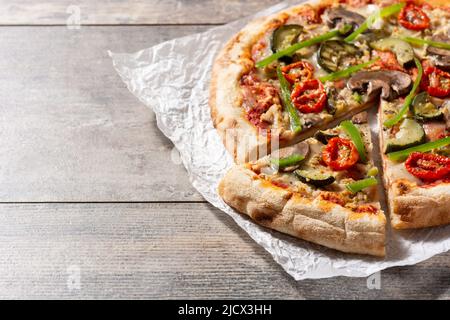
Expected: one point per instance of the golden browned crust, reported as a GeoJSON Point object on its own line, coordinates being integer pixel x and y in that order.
{"type": "Point", "coordinates": [412, 206]}
{"type": "Point", "coordinates": [225, 98]}
{"type": "Point", "coordinates": [418, 207]}
{"type": "Point", "coordinates": [314, 220]}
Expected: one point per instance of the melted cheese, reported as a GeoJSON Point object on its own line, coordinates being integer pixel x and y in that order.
{"type": "Point", "coordinates": [396, 171]}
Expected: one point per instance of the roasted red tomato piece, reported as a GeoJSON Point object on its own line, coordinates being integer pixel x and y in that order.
{"type": "Point", "coordinates": [298, 71]}
{"type": "Point", "coordinates": [340, 154]}
{"type": "Point", "coordinates": [388, 61]}
{"type": "Point", "coordinates": [427, 166]}
{"type": "Point", "coordinates": [309, 96]}
{"type": "Point", "coordinates": [413, 17]}
{"type": "Point", "coordinates": [435, 81]}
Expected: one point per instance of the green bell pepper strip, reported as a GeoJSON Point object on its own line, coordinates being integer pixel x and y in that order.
{"type": "Point", "coordinates": [361, 184]}
{"type": "Point", "coordinates": [288, 161]}
{"type": "Point", "coordinates": [431, 43]}
{"type": "Point", "coordinates": [355, 135]}
{"type": "Point", "coordinates": [296, 126]}
{"type": "Point", "coordinates": [399, 156]}
{"type": "Point", "coordinates": [392, 121]}
{"type": "Point", "coordinates": [383, 13]}
{"type": "Point", "coordinates": [307, 43]}
{"type": "Point", "coordinates": [347, 72]}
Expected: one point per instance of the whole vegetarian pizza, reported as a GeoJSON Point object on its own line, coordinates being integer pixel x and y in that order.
{"type": "Point", "coordinates": [289, 91]}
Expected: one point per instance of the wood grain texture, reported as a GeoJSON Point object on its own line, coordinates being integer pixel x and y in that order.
{"type": "Point", "coordinates": [128, 12]}
{"type": "Point", "coordinates": [167, 251]}
{"type": "Point", "coordinates": [70, 129]}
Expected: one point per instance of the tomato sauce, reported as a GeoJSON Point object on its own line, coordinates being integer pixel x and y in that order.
{"type": "Point", "coordinates": [335, 198]}
{"type": "Point", "coordinates": [366, 208]}
{"type": "Point", "coordinates": [258, 97]}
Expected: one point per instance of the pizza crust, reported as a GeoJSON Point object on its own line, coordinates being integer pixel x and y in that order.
{"type": "Point", "coordinates": [314, 220]}
{"type": "Point", "coordinates": [225, 98]}
{"type": "Point", "coordinates": [418, 207]}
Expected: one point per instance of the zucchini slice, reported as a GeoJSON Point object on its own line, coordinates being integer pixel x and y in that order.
{"type": "Point", "coordinates": [424, 109]}
{"type": "Point", "coordinates": [315, 177]}
{"type": "Point", "coordinates": [403, 50]}
{"type": "Point", "coordinates": [336, 55]}
{"type": "Point", "coordinates": [324, 137]}
{"type": "Point", "coordinates": [330, 105]}
{"type": "Point", "coordinates": [410, 134]}
{"type": "Point", "coordinates": [285, 36]}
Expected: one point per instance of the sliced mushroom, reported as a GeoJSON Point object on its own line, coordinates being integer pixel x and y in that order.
{"type": "Point", "coordinates": [301, 148]}
{"type": "Point", "coordinates": [311, 119]}
{"type": "Point", "coordinates": [390, 83]}
{"type": "Point", "coordinates": [332, 94]}
{"type": "Point", "coordinates": [438, 101]}
{"type": "Point", "coordinates": [440, 57]}
{"type": "Point", "coordinates": [360, 118]}
{"type": "Point", "coordinates": [338, 17]}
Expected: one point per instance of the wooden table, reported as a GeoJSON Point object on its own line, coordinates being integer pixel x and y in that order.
{"type": "Point", "coordinates": [90, 205]}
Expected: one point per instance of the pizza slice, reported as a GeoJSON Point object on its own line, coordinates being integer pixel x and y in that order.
{"type": "Point", "coordinates": [416, 161]}
{"type": "Point", "coordinates": [415, 129]}
{"type": "Point", "coordinates": [321, 190]}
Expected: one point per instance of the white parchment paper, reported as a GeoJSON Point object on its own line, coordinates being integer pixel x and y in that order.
{"type": "Point", "coordinates": [172, 78]}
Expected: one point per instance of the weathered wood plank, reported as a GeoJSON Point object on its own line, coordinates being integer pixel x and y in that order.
{"type": "Point", "coordinates": [69, 128]}
{"type": "Point", "coordinates": [128, 12]}
{"type": "Point", "coordinates": [167, 251]}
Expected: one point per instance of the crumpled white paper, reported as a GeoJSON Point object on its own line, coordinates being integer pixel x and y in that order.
{"type": "Point", "coordinates": [172, 78]}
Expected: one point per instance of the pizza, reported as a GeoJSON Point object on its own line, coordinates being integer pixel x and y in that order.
{"type": "Point", "coordinates": [285, 82]}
